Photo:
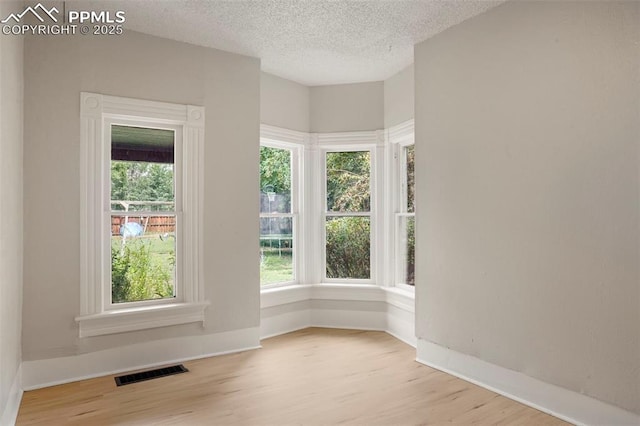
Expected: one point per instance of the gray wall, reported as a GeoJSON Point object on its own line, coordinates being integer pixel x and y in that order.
{"type": "Point", "coordinates": [11, 102]}
{"type": "Point", "coordinates": [284, 103]}
{"type": "Point", "coordinates": [527, 129]}
{"type": "Point", "coordinates": [347, 107]}
{"type": "Point", "coordinates": [57, 69]}
{"type": "Point", "coordinates": [336, 108]}
{"type": "Point", "coordinates": [399, 97]}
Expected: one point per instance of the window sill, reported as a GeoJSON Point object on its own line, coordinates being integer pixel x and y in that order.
{"type": "Point", "coordinates": [282, 295]}
{"type": "Point", "coordinates": [397, 297]}
{"type": "Point", "coordinates": [141, 318]}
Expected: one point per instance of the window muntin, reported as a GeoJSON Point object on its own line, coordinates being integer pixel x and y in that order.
{"type": "Point", "coordinates": [347, 215]}
{"type": "Point", "coordinates": [278, 206]}
{"type": "Point", "coordinates": [144, 219]}
{"type": "Point", "coordinates": [405, 218]}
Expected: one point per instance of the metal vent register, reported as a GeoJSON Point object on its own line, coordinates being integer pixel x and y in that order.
{"type": "Point", "coordinates": [127, 379]}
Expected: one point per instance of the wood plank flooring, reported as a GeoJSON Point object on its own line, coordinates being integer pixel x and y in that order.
{"type": "Point", "coordinates": [312, 376]}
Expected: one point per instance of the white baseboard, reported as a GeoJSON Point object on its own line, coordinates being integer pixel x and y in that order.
{"type": "Point", "coordinates": [401, 329]}
{"type": "Point", "coordinates": [562, 403]}
{"type": "Point", "coordinates": [283, 310]}
{"type": "Point", "coordinates": [10, 412]}
{"type": "Point", "coordinates": [55, 371]}
{"type": "Point", "coordinates": [274, 323]}
{"type": "Point", "coordinates": [338, 306]}
{"type": "Point", "coordinates": [349, 319]}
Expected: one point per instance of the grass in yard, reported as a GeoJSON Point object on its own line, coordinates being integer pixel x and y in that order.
{"type": "Point", "coordinates": [161, 249]}
{"type": "Point", "coordinates": [276, 267]}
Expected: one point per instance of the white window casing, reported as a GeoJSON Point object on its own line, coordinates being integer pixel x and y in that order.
{"type": "Point", "coordinates": [388, 196]}
{"type": "Point", "coordinates": [294, 142]}
{"type": "Point", "coordinates": [399, 137]}
{"type": "Point", "coordinates": [372, 141]}
{"type": "Point", "coordinates": [98, 316]}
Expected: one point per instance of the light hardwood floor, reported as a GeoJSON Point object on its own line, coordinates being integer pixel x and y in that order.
{"type": "Point", "coordinates": [312, 376]}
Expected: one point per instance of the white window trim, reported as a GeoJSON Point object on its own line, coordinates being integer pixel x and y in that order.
{"type": "Point", "coordinates": [372, 141]}
{"type": "Point", "coordinates": [108, 122]}
{"type": "Point", "coordinates": [399, 137]}
{"type": "Point", "coordinates": [293, 141]}
{"type": "Point", "coordinates": [95, 318]}
{"type": "Point", "coordinates": [311, 192]}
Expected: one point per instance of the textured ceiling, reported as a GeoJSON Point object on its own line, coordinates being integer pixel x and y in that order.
{"type": "Point", "coordinates": [313, 42]}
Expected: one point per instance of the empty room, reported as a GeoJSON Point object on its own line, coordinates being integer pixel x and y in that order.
{"type": "Point", "coordinates": [316, 212]}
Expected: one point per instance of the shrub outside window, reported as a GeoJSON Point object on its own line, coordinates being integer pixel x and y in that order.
{"type": "Point", "coordinates": [405, 218]}
{"type": "Point", "coordinates": [347, 215]}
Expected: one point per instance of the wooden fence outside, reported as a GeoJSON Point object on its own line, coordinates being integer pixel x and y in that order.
{"type": "Point", "coordinates": [150, 224]}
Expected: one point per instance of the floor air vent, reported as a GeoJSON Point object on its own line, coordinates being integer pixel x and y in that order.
{"type": "Point", "coordinates": [150, 374]}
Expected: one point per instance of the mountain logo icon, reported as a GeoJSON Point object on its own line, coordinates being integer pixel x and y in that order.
{"type": "Point", "coordinates": [34, 11]}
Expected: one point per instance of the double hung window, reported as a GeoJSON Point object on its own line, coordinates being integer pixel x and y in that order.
{"type": "Point", "coordinates": [405, 218]}
{"type": "Point", "coordinates": [145, 224]}
{"type": "Point", "coordinates": [141, 214]}
{"type": "Point", "coordinates": [278, 213]}
{"type": "Point", "coordinates": [347, 215]}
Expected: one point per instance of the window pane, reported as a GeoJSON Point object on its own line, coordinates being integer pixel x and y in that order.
{"type": "Point", "coordinates": [407, 248]}
{"type": "Point", "coordinates": [142, 181]}
{"type": "Point", "coordinates": [143, 144]}
{"type": "Point", "coordinates": [276, 250]}
{"type": "Point", "coordinates": [411, 178]}
{"type": "Point", "coordinates": [275, 180]}
{"type": "Point", "coordinates": [143, 258]}
{"type": "Point", "coordinates": [348, 247]}
{"type": "Point", "coordinates": [348, 181]}
{"type": "Point", "coordinates": [143, 248]}
{"type": "Point", "coordinates": [142, 168]}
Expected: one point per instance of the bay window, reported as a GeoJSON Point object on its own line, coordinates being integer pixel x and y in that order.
{"type": "Point", "coordinates": [337, 208]}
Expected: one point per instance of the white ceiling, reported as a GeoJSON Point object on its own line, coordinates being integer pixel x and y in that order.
{"type": "Point", "coordinates": [313, 42]}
